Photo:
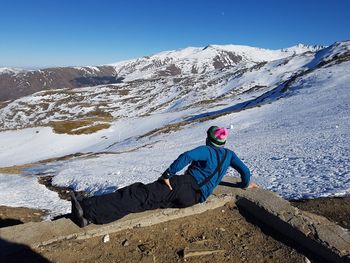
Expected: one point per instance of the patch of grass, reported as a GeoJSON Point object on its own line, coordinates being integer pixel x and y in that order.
{"type": "Point", "coordinates": [92, 129]}
{"type": "Point", "coordinates": [203, 102]}
{"type": "Point", "coordinates": [100, 113]}
{"type": "Point", "coordinates": [80, 126]}
{"type": "Point", "coordinates": [90, 123]}
{"type": "Point", "coordinates": [16, 169]}
{"type": "Point", "coordinates": [62, 158]}
{"type": "Point", "coordinates": [133, 99]}
{"type": "Point", "coordinates": [166, 129]}
{"type": "Point", "coordinates": [3, 104]}
{"type": "Point", "coordinates": [123, 92]}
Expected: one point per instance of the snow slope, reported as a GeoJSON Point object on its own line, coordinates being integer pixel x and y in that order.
{"type": "Point", "coordinates": [295, 140]}
{"type": "Point", "coordinates": [297, 146]}
{"type": "Point", "coordinates": [25, 191]}
{"type": "Point", "coordinates": [42, 143]}
{"type": "Point", "coordinates": [191, 93]}
{"type": "Point", "coordinates": [194, 60]}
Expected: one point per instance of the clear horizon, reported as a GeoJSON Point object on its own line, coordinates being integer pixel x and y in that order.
{"type": "Point", "coordinates": [39, 34]}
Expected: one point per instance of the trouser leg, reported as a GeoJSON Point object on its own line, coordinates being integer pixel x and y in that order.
{"type": "Point", "coordinates": [185, 191]}
{"type": "Point", "coordinates": [139, 197]}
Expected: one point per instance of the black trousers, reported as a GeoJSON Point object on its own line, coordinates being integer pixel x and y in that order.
{"type": "Point", "coordinates": [139, 197]}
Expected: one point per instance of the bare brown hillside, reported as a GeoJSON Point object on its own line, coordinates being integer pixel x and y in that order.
{"type": "Point", "coordinates": [14, 86]}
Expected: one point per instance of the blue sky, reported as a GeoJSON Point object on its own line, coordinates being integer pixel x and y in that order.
{"type": "Point", "coordinates": [42, 33]}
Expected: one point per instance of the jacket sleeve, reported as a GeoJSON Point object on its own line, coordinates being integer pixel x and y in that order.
{"type": "Point", "coordinates": [243, 170]}
{"type": "Point", "coordinates": [198, 154]}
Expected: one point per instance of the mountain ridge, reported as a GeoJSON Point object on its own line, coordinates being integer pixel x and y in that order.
{"type": "Point", "coordinates": [16, 83]}
{"type": "Point", "coordinates": [193, 60]}
{"type": "Point", "coordinates": [169, 91]}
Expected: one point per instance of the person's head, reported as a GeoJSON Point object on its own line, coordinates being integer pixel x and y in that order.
{"type": "Point", "coordinates": [216, 136]}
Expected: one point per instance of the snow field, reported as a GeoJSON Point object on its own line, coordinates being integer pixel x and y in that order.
{"type": "Point", "coordinates": [297, 145]}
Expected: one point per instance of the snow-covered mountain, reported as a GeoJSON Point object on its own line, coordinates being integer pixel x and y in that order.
{"type": "Point", "coordinates": [194, 60]}
{"type": "Point", "coordinates": [188, 79]}
{"type": "Point", "coordinates": [10, 70]}
{"type": "Point", "coordinates": [16, 83]}
{"type": "Point", "coordinates": [289, 110]}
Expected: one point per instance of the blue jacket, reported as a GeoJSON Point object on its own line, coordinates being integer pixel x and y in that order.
{"type": "Point", "coordinates": [203, 161]}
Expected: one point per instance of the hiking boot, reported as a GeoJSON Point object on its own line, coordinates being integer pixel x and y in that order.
{"type": "Point", "coordinates": [77, 212]}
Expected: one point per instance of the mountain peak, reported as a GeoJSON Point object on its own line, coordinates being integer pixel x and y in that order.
{"type": "Point", "coordinates": [202, 59]}
{"type": "Point", "coordinates": [208, 46]}
{"type": "Point", "coordinates": [7, 70]}
{"type": "Point", "coordinates": [301, 48]}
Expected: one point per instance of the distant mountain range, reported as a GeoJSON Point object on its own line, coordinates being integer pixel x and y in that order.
{"type": "Point", "coordinates": [16, 83]}
{"type": "Point", "coordinates": [191, 80]}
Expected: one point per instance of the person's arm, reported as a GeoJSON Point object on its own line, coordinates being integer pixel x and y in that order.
{"type": "Point", "coordinates": [198, 154]}
{"type": "Point", "coordinates": [243, 170]}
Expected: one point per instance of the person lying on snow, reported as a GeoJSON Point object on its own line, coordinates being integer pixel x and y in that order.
{"type": "Point", "coordinates": [208, 165]}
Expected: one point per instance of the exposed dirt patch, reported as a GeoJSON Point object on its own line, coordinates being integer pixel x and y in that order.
{"type": "Point", "coordinates": [223, 230]}
{"type": "Point", "coordinates": [336, 209]}
{"type": "Point", "coordinates": [99, 113]}
{"type": "Point", "coordinates": [65, 157]}
{"type": "Point", "coordinates": [63, 192]}
{"type": "Point", "coordinates": [226, 59]}
{"type": "Point", "coordinates": [3, 104]}
{"type": "Point", "coordinates": [166, 129]}
{"type": "Point", "coordinates": [18, 169]}
{"type": "Point", "coordinates": [10, 216]}
{"type": "Point", "coordinates": [170, 70]}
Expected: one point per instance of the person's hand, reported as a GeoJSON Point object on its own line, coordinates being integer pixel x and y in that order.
{"type": "Point", "coordinates": [252, 185]}
{"type": "Point", "coordinates": [167, 182]}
